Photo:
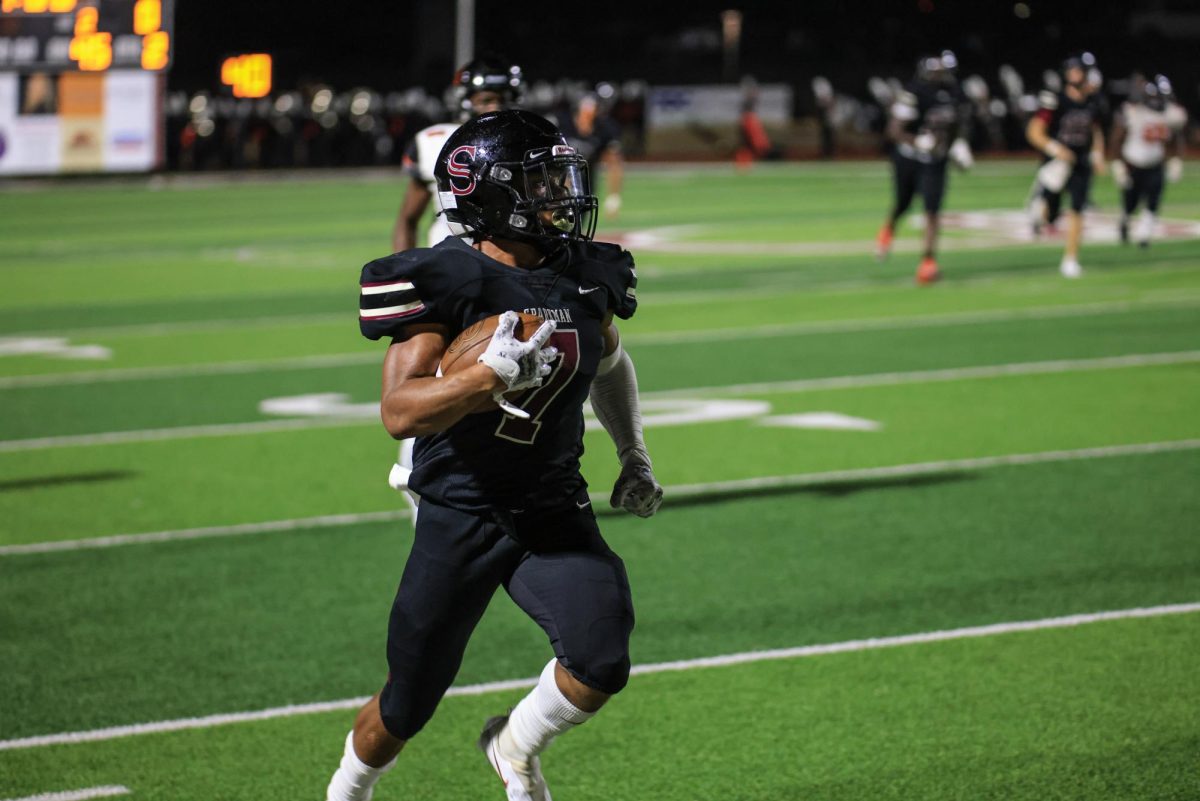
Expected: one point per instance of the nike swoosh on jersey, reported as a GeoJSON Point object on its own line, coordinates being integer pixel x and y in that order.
{"type": "Point", "coordinates": [583, 291]}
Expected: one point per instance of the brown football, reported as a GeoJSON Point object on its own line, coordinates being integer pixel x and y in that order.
{"type": "Point", "coordinates": [468, 346]}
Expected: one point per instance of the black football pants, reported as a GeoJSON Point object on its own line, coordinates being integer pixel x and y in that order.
{"type": "Point", "coordinates": [911, 177]}
{"type": "Point", "coordinates": [555, 566]}
{"type": "Point", "coordinates": [1145, 183]}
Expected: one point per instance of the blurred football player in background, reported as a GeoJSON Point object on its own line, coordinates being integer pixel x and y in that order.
{"type": "Point", "coordinates": [595, 136]}
{"type": "Point", "coordinates": [1067, 130]}
{"type": "Point", "coordinates": [1146, 127]}
{"type": "Point", "coordinates": [502, 499]}
{"type": "Point", "coordinates": [929, 126]}
{"type": "Point", "coordinates": [753, 141]}
{"type": "Point", "coordinates": [483, 85]}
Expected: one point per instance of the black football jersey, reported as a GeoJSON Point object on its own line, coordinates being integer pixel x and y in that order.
{"type": "Point", "coordinates": [492, 460]}
{"type": "Point", "coordinates": [1071, 121]}
{"type": "Point", "coordinates": [934, 108]}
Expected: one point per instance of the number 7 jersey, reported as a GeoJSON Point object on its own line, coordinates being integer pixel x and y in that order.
{"type": "Point", "coordinates": [490, 459]}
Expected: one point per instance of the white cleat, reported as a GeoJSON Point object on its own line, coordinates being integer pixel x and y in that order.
{"type": "Point", "coordinates": [1070, 268]}
{"type": "Point", "coordinates": [523, 781]}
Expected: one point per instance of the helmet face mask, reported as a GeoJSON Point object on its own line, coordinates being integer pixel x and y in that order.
{"type": "Point", "coordinates": [1152, 98]}
{"type": "Point", "coordinates": [485, 85]}
{"type": "Point", "coordinates": [511, 175]}
{"type": "Point", "coordinates": [551, 195]}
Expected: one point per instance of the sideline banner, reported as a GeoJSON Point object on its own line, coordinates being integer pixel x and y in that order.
{"type": "Point", "coordinates": [79, 122]}
{"type": "Point", "coordinates": [717, 104]}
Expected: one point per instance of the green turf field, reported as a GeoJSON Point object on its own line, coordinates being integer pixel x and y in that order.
{"type": "Point", "coordinates": [184, 544]}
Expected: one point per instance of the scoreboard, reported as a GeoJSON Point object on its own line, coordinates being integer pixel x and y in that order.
{"type": "Point", "coordinates": [85, 35]}
{"type": "Point", "coordinates": [82, 84]}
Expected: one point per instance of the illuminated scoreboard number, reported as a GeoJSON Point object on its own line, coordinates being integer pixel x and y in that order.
{"type": "Point", "coordinates": [247, 75]}
{"type": "Point", "coordinates": [86, 35]}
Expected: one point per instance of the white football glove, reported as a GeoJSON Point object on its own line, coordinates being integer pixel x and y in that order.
{"type": "Point", "coordinates": [637, 490]}
{"type": "Point", "coordinates": [1120, 174]}
{"type": "Point", "coordinates": [1174, 169]}
{"type": "Point", "coordinates": [1054, 174]}
{"type": "Point", "coordinates": [960, 154]}
{"type": "Point", "coordinates": [1057, 150]}
{"type": "Point", "coordinates": [612, 205]}
{"type": "Point", "coordinates": [924, 142]}
{"type": "Point", "coordinates": [520, 365]}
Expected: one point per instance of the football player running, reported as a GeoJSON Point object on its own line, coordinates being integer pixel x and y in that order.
{"type": "Point", "coordinates": [1067, 130]}
{"type": "Point", "coordinates": [929, 125]}
{"type": "Point", "coordinates": [502, 500]}
{"type": "Point", "coordinates": [481, 86]}
{"type": "Point", "coordinates": [1146, 127]}
{"type": "Point", "coordinates": [596, 137]}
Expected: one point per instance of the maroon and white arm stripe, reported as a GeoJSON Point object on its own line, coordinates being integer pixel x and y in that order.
{"type": "Point", "coordinates": [388, 300]}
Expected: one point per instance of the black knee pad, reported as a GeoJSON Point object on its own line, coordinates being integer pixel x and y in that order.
{"type": "Point", "coordinates": [602, 663]}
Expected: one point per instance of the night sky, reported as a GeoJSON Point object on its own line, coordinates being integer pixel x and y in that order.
{"type": "Point", "coordinates": [396, 45]}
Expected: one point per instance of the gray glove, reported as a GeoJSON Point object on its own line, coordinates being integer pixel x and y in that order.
{"type": "Point", "coordinates": [637, 490]}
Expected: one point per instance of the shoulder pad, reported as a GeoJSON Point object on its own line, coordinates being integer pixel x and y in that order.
{"type": "Point", "coordinates": [1048, 99]}
{"type": "Point", "coordinates": [427, 144]}
{"type": "Point", "coordinates": [416, 286]}
{"type": "Point", "coordinates": [611, 266]}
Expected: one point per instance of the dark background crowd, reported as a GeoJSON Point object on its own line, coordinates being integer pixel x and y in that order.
{"type": "Point", "coordinates": [353, 82]}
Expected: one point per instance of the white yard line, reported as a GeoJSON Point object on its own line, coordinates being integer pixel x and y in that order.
{"type": "Point", "coordinates": [748, 657]}
{"type": "Point", "coordinates": [187, 370]}
{"type": "Point", "coordinates": [196, 326]}
{"type": "Point", "coordinates": [933, 376]}
{"type": "Point", "coordinates": [904, 322]}
{"type": "Point", "coordinates": [77, 795]}
{"type": "Point", "coordinates": [895, 323]}
{"type": "Point", "coordinates": [174, 535]}
{"type": "Point", "coordinates": [925, 468]}
{"type": "Point", "coordinates": [180, 432]}
{"type": "Point", "coordinates": [673, 492]}
{"type": "Point", "coordinates": [769, 387]}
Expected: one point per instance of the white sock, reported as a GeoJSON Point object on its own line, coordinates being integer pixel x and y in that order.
{"type": "Point", "coordinates": [354, 779]}
{"type": "Point", "coordinates": [540, 717]}
{"type": "Point", "coordinates": [1145, 229]}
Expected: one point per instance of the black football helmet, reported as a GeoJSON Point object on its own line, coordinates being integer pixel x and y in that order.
{"type": "Point", "coordinates": [1152, 96]}
{"type": "Point", "coordinates": [512, 175]}
{"type": "Point", "coordinates": [490, 74]}
{"type": "Point", "coordinates": [1085, 62]}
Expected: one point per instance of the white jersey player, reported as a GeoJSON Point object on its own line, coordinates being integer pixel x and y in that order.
{"type": "Point", "coordinates": [479, 87]}
{"type": "Point", "coordinates": [1147, 152]}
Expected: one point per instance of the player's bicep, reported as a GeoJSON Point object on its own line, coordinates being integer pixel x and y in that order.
{"type": "Point", "coordinates": [612, 337]}
{"type": "Point", "coordinates": [416, 200]}
{"type": "Point", "coordinates": [416, 352]}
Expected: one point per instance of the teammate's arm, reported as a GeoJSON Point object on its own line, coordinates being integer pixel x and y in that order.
{"type": "Point", "coordinates": [614, 398]}
{"type": "Point", "coordinates": [1097, 155]}
{"type": "Point", "coordinates": [896, 131]}
{"type": "Point", "coordinates": [1035, 132]}
{"type": "Point", "coordinates": [903, 114]}
{"type": "Point", "coordinates": [614, 177]}
{"type": "Point", "coordinates": [412, 208]}
{"type": "Point", "coordinates": [1120, 170]}
{"type": "Point", "coordinates": [1117, 140]}
{"type": "Point", "coordinates": [415, 400]}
